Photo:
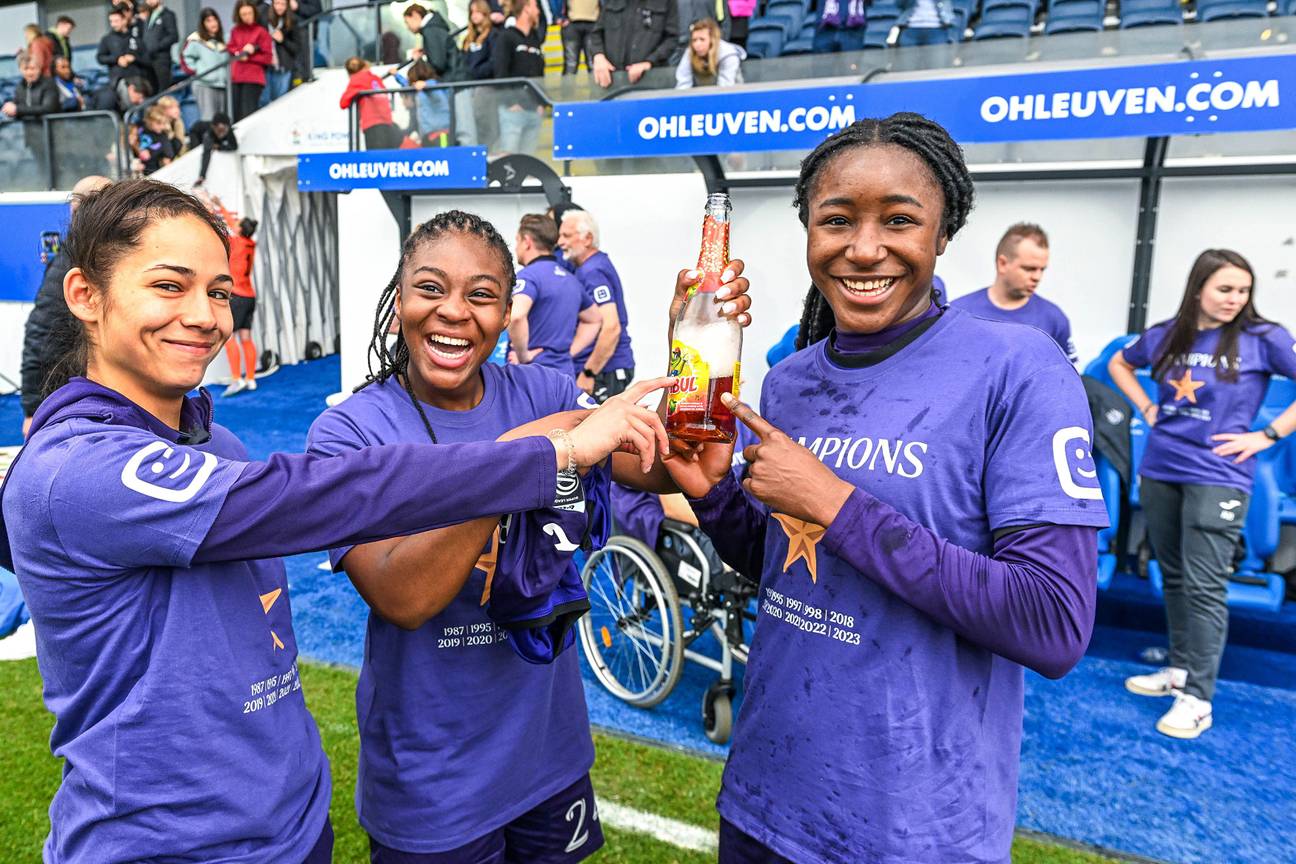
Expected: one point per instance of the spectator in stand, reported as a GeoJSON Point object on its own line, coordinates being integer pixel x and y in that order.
{"type": "Point", "coordinates": [1021, 258]}
{"type": "Point", "coordinates": [34, 96]}
{"type": "Point", "coordinates": [841, 26]}
{"type": "Point", "coordinates": [479, 40]}
{"type": "Point", "coordinates": [119, 49]}
{"type": "Point", "coordinates": [607, 367]}
{"type": "Point", "coordinates": [49, 308]}
{"type": "Point", "coordinates": [710, 59]}
{"type": "Point", "coordinates": [253, 49]}
{"type": "Point", "coordinates": [380, 133]}
{"type": "Point", "coordinates": [431, 114]}
{"type": "Point", "coordinates": [175, 124]}
{"type": "Point", "coordinates": [289, 48]}
{"type": "Point", "coordinates": [633, 37]}
{"type": "Point", "coordinates": [61, 36]}
{"type": "Point", "coordinates": [151, 141]}
{"type": "Point", "coordinates": [204, 56]}
{"type": "Point", "coordinates": [40, 48]}
{"type": "Point", "coordinates": [128, 93]}
{"type": "Point", "coordinates": [214, 134]}
{"type": "Point", "coordinates": [240, 346]}
{"type": "Point", "coordinates": [577, 19]}
{"type": "Point", "coordinates": [71, 89]}
{"type": "Point", "coordinates": [518, 53]}
{"type": "Point", "coordinates": [926, 22]}
{"type": "Point", "coordinates": [160, 33]}
{"type": "Point", "coordinates": [435, 45]}
{"type": "Point", "coordinates": [690, 12]}
{"type": "Point", "coordinates": [740, 13]}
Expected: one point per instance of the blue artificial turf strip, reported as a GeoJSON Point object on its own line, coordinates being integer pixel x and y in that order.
{"type": "Point", "coordinates": [1093, 768]}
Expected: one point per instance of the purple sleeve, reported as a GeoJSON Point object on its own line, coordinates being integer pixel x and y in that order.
{"type": "Point", "coordinates": [735, 522]}
{"type": "Point", "coordinates": [295, 503]}
{"type": "Point", "coordinates": [1032, 601]}
{"type": "Point", "coordinates": [1280, 351]}
{"type": "Point", "coordinates": [523, 288]}
{"type": "Point", "coordinates": [1141, 351]}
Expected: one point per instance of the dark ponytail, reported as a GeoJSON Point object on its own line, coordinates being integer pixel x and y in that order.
{"type": "Point", "coordinates": [924, 138]}
{"type": "Point", "coordinates": [106, 226]}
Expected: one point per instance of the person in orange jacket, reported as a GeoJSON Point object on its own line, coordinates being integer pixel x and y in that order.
{"type": "Point", "coordinates": [380, 133]}
{"type": "Point", "coordinates": [240, 347]}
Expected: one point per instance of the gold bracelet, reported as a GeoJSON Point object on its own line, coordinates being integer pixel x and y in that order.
{"type": "Point", "coordinates": [565, 437]}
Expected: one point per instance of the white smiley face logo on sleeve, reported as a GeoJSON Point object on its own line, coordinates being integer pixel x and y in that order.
{"type": "Point", "coordinates": [1076, 471]}
{"type": "Point", "coordinates": [157, 471]}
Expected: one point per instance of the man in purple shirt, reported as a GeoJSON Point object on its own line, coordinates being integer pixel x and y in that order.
{"type": "Point", "coordinates": [607, 366]}
{"type": "Point", "coordinates": [1021, 258]}
{"type": "Point", "coordinates": [547, 298]}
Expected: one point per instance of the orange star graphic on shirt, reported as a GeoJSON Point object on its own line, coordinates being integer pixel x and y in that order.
{"type": "Point", "coordinates": [267, 600]}
{"type": "Point", "coordinates": [487, 563]}
{"type": "Point", "coordinates": [1186, 387]}
{"type": "Point", "coordinates": [802, 539]}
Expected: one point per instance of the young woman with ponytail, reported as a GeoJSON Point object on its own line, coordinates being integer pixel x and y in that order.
{"type": "Point", "coordinates": [922, 510]}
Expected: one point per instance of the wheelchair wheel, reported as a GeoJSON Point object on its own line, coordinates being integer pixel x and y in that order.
{"type": "Point", "coordinates": [717, 713]}
{"type": "Point", "coordinates": [632, 634]}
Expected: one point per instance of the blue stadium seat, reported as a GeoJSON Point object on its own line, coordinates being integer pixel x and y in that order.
{"type": "Point", "coordinates": [1109, 482]}
{"type": "Point", "coordinates": [1290, 8]}
{"type": "Point", "coordinates": [1090, 23]}
{"type": "Point", "coordinates": [1149, 13]}
{"type": "Point", "coordinates": [883, 12]}
{"type": "Point", "coordinates": [876, 33]}
{"type": "Point", "coordinates": [765, 40]}
{"type": "Point", "coordinates": [803, 43]}
{"type": "Point", "coordinates": [1214, 10]}
{"type": "Point", "coordinates": [1004, 22]}
{"type": "Point", "coordinates": [792, 12]}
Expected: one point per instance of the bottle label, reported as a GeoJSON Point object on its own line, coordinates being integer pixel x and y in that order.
{"type": "Point", "coordinates": [690, 376]}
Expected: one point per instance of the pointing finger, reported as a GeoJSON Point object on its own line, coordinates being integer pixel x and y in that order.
{"type": "Point", "coordinates": [750, 418]}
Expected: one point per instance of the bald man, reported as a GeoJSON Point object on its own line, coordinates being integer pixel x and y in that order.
{"type": "Point", "coordinates": [49, 309]}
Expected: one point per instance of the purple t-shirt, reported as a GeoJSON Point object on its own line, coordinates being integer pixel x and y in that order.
{"type": "Point", "coordinates": [177, 704]}
{"type": "Point", "coordinates": [1195, 404]}
{"type": "Point", "coordinates": [1038, 312]}
{"type": "Point", "coordinates": [557, 298]}
{"type": "Point", "coordinates": [458, 735]}
{"type": "Point", "coordinates": [869, 731]}
{"type": "Point", "coordinates": [603, 286]}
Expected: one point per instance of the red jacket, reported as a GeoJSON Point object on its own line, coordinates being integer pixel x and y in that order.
{"type": "Point", "coordinates": [242, 250]}
{"type": "Point", "coordinates": [251, 70]}
{"type": "Point", "coordinates": [374, 110]}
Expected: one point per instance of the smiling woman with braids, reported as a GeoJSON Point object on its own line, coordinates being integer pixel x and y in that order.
{"type": "Point", "coordinates": [467, 752]}
{"type": "Point", "coordinates": [926, 527]}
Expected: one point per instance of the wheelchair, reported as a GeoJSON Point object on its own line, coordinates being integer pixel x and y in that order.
{"type": "Point", "coordinates": [636, 636]}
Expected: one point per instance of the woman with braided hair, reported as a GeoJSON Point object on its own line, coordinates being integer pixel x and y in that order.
{"type": "Point", "coordinates": [924, 525]}
{"type": "Point", "coordinates": [467, 751]}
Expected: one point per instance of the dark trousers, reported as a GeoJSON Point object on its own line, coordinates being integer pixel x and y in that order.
{"type": "Point", "coordinates": [1194, 532]}
{"type": "Point", "coordinates": [575, 42]}
{"type": "Point", "coordinates": [384, 136]}
{"type": "Point", "coordinates": [737, 847]}
{"type": "Point", "coordinates": [738, 29]}
{"type": "Point", "coordinates": [246, 97]}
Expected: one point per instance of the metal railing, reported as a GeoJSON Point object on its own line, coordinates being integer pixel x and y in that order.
{"type": "Point", "coordinates": [458, 134]}
{"type": "Point", "coordinates": [53, 152]}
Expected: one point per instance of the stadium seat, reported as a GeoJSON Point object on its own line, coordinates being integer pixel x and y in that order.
{"type": "Point", "coordinates": [1108, 557]}
{"type": "Point", "coordinates": [1146, 13]}
{"type": "Point", "coordinates": [1290, 8]}
{"type": "Point", "coordinates": [883, 12]}
{"type": "Point", "coordinates": [876, 33]}
{"type": "Point", "coordinates": [765, 40]}
{"type": "Point", "coordinates": [803, 43]}
{"type": "Point", "coordinates": [1004, 22]}
{"type": "Point", "coordinates": [791, 12]}
{"type": "Point", "coordinates": [1074, 16]}
{"type": "Point", "coordinates": [1214, 10]}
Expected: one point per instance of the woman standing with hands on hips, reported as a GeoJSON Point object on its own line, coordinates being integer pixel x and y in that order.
{"type": "Point", "coordinates": [145, 542]}
{"type": "Point", "coordinates": [1212, 363]}
{"type": "Point", "coordinates": [926, 526]}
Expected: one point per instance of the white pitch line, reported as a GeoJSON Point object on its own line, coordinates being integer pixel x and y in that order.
{"type": "Point", "coordinates": [680, 834]}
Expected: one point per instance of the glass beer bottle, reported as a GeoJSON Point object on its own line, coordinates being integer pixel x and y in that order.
{"type": "Point", "coordinates": [706, 348]}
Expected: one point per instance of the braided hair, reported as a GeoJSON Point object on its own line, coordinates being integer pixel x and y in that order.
{"type": "Point", "coordinates": [927, 140]}
{"type": "Point", "coordinates": [388, 359]}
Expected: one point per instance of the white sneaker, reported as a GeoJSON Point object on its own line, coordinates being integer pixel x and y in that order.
{"type": "Point", "coordinates": [1187, 718]}
{"type": "Point", "coordinates": [20, 644]}
{"type": "Point", "coordinates": [249, 384]}
{"type": "Point", "coordinates": [1159, 683]}
{"type": "Point", "coordinates": [235, 386]}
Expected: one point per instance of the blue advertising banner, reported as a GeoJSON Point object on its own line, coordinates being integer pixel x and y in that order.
{"type": "Point", "coordinates": [1231, 95]}
{"type": "Point", "coordinates": [29, 237]}
{"type": "Point", "coordinates": [414, 169]}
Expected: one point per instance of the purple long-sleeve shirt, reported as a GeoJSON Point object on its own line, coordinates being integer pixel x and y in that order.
{"type": "Point", "coordinates": [884, 670]}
